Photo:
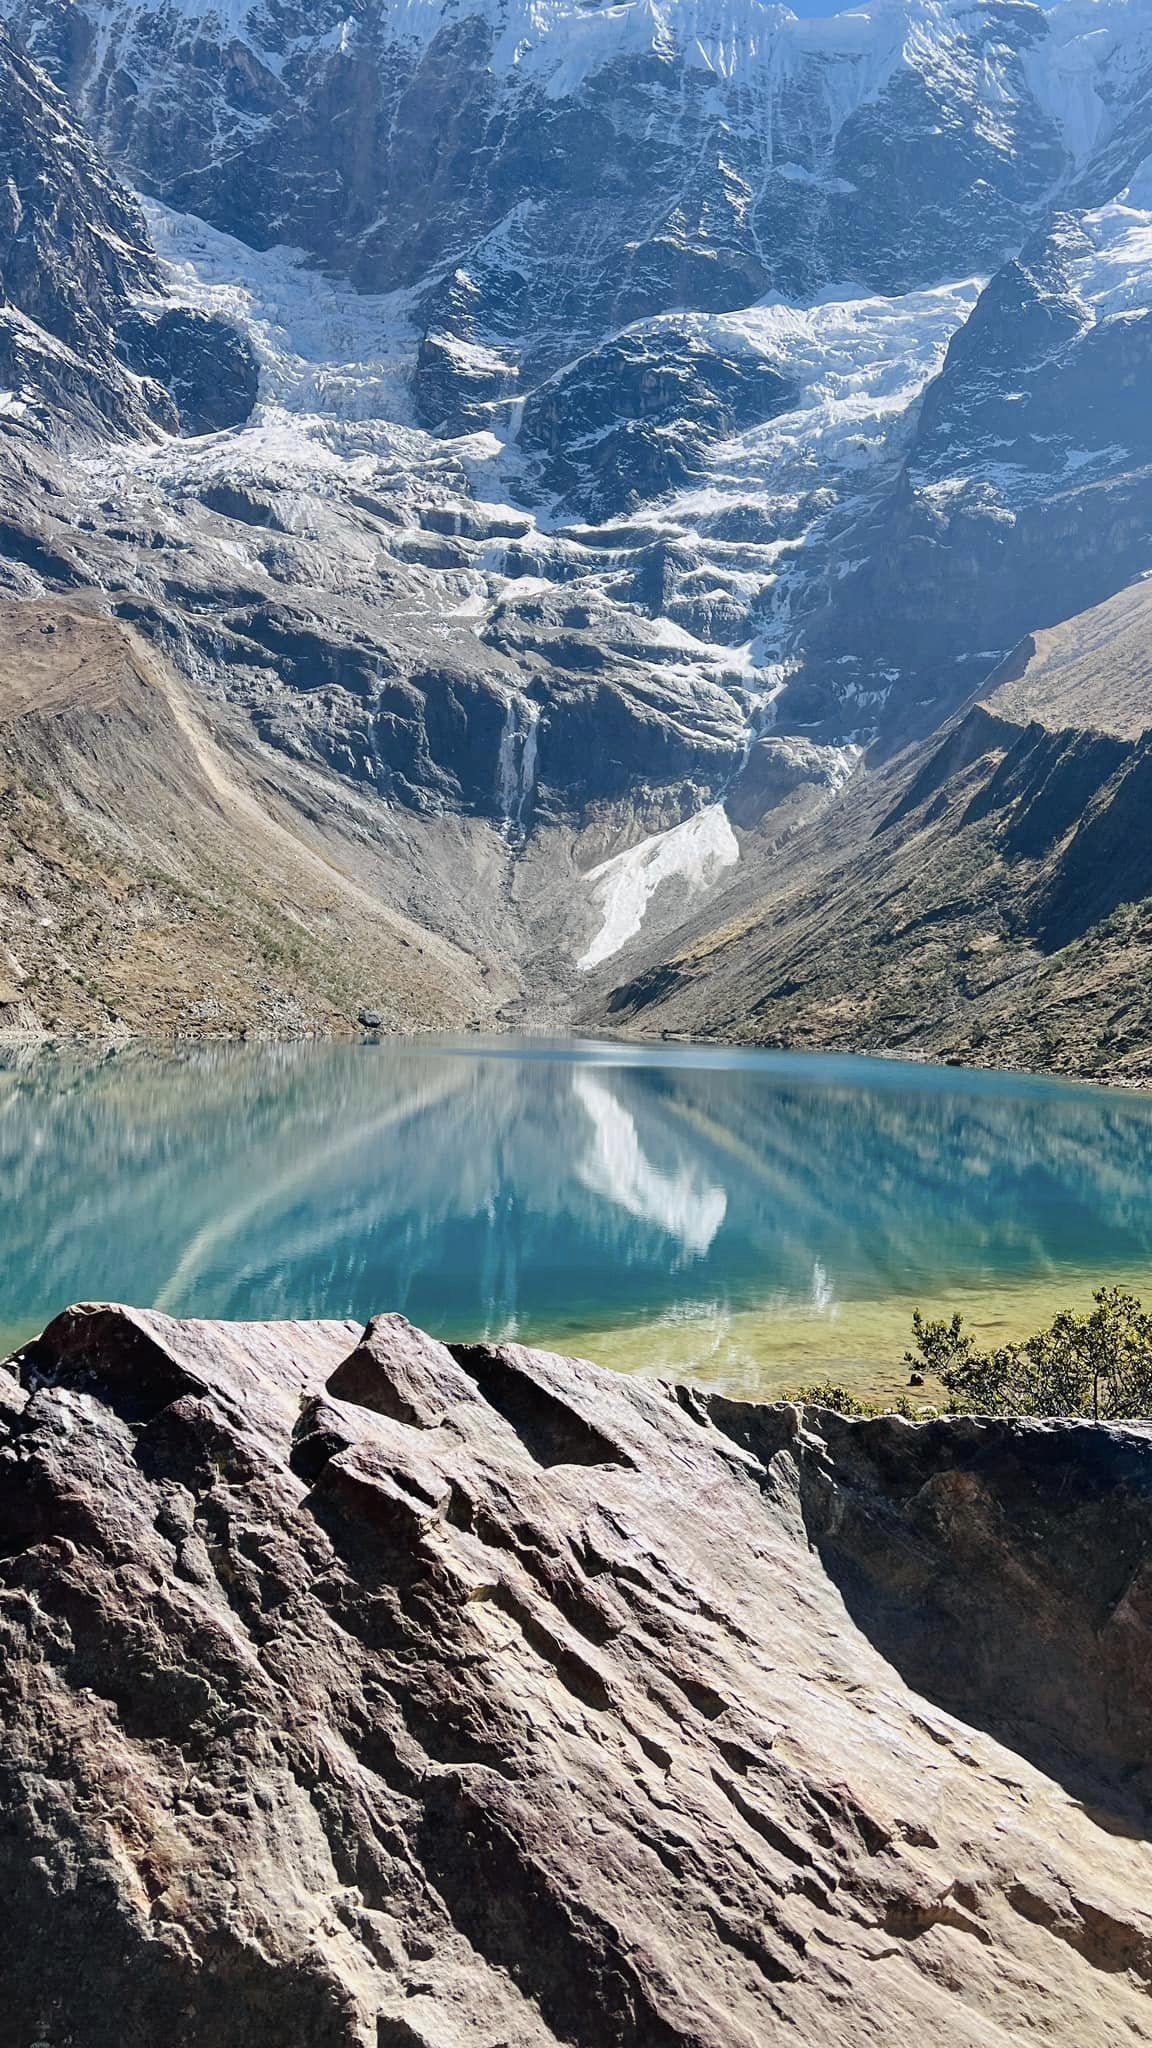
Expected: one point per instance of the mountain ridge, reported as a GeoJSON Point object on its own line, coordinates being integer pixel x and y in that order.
{"type": "Point", "coordinates": [453, 541]}
{"type": "Point", "coordinates": [984, 897]}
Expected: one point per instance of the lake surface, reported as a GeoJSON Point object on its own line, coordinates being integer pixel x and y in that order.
{"type": "Point", "coordinates": [754, 1219]}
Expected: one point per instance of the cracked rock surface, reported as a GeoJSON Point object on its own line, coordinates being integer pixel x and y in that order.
{"type": "Point", "coordinates": [360, 1691]}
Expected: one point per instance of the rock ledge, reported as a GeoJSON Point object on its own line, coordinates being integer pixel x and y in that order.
{"type": "Point", "coordinates": [362, 1693]}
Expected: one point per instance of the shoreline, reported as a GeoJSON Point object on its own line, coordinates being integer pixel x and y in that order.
{"type": "Point", "coordinates": [98, 1043]}
{"type": "Point", "coordinates": [759, 1353]}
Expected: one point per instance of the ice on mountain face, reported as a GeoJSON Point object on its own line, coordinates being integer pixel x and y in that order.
{"type": "Point", "coordinates": [335, 407]}
{"type": "Point", "coordinates": [329, 355]}
{"type": "Point", "coordinates": [1025, 483]}
{"type": "Point", "coordinates": [565, 41]}
{"type": "Point", "coordinates": [709, 584]}
{"type": "Point", "coordinates": [858, 365]}
{"type": "Point", "coordinates": [706, 589]}
{"type": "Point", "coordinates": [1117, 276]}
{"type": "Point", "coordinates": [737, 146]}
{"type": "Point", "coordinates": [334, 410]}
{"type": "Point", "coordinates": [692, 854]}
{"type": "Point", "coordinates": [1037, 387]}
{"type": "Point", "coordinates": [753, 461]}
{"type": "Point", "coordinates": [1094, 54]}
{"type": "Point", "coordinates": [776, 496]}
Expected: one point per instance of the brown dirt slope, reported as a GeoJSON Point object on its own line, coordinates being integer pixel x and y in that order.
{"type": "Point", "coordinates": [986, 897]}
{"type": "Point", "coordinates": [148, 883]}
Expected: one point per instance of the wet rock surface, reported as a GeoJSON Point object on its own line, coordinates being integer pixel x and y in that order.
{"type": "Point", "coordinates": [362, 1691]}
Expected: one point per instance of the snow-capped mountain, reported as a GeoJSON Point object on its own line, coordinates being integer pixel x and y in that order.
{"type": "Point", "coordinates": [545, 174]}
{"type": "Point", "coordinates": [604, 419]}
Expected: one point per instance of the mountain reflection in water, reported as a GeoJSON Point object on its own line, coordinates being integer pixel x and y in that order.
{"type": "Point", "coordinates": [540, 1188]}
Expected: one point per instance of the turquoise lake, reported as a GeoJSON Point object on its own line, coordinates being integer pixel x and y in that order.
{"type": "Point", "coordinates": [749, 1218]}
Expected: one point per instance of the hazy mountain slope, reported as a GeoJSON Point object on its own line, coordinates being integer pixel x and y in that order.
{"type": "Point", "coordinates": [988, 896]}
{"type": "Point", "coordinates": [148, 883]}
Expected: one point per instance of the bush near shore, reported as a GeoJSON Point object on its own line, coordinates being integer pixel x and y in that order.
{"type": "Point", "coordinates": [1097, 1364]}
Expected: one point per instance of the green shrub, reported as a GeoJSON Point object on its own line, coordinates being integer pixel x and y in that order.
{"type": "Point", "coordinates": [826, 1394]}
{"type": "Point", "coordinates": [1098, 1364]}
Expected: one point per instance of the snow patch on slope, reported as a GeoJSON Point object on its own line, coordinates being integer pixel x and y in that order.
{"type": "Point", "coordinates": [1117, 276]}
{"type": "Point", "coordinates": [692, 853]}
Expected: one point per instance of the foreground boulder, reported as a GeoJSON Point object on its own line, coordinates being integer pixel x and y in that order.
{"type": "Point", "coordinates": [359, 1691]}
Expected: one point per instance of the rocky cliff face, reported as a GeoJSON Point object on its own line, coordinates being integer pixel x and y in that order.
{"type": "Point", "coordinates": [603, 426]}
{"type": "Point", "coordinates": [359, 1692]}
{"type": "Point", "coordinates": [75, 254]}
{"type": "Point", "coordinates": [73, 249]}
{"type": "Point", "coordinates": [585, 166]}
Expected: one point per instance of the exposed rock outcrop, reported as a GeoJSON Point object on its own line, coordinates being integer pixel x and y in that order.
{"type": "Point", "coordinates": [75, 254]}
{"type": "Point", "coordinates": [585, 168]}
{"type": "Point", "coordinates": [359, 1693]}
{"type": "Point", "coordinates": [208, 369]}
{"type": "Point", "coordinates": [73, 249]}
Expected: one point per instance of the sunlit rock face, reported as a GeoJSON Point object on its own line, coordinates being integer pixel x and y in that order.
{"type": "Point", "coordinates": [361, 1691]}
